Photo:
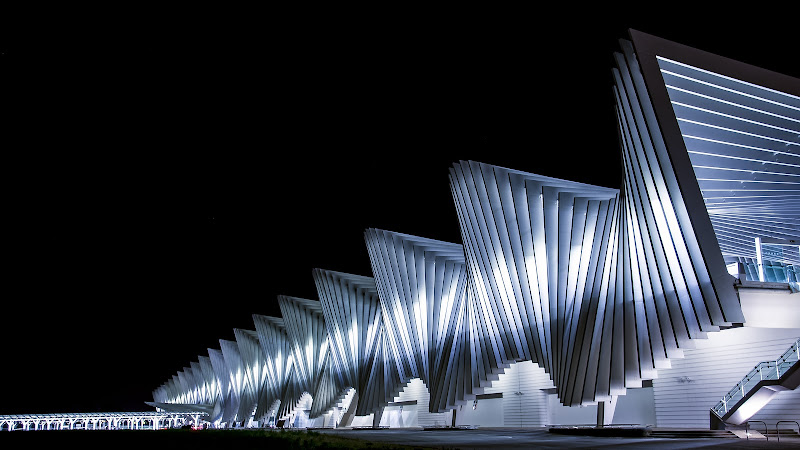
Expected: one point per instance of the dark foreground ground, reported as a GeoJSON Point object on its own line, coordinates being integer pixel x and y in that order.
{"type": "Point", "coordinates": [184, 439]}
{"type": "Point", "coordinates": [540, 438]}
{"type": "Point", "coordinates": [357, 439]}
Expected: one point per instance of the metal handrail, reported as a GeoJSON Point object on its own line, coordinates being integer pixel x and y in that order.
{"type": "Point", "coordinates": [774, 271]}
{"type": "Point", "coordinates": [778, 431]}
{"type": "Point", "coordinates": [766, 370]}
{"type": "Point", "coordinates": [766, 428]}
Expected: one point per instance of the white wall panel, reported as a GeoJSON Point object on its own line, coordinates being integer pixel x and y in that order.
{"type": "Point", "coordinates": [490, 413]}
{"type": "Point", "coordinates": [685, 393]}
{"type": "Point", "coordinates": [416, 390]}
{"type": "Point", "coordinates": [399, 416]}
{"type": "Point", "coordinates": [570, 415]}
{"type": "Point", "coordinates": [636, 407]}
{"type": "Point", "coordinates": [524, 402]}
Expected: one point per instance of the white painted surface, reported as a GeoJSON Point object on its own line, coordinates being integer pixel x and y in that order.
{"type": "Point", "coordinates": [416, 390]}
{"type": "Point", "coordinates": [637, 406]}
{"type": "Point", "coordinates": [524, 402]}
{"type": "Point", "coordinates": [300, 417]}
{"type": "Point", "coordinates": [362, 421]}
{"type": "Point", "coordinates": [770, 308]}
{"type": "Point", "coordinates": [566, 415]}
{"type": "Point", "coordinates": [684, 394]}
{"type": "Point", "coordinates": [399, 416]}
{"type": "Point", "coordinates": [488, 413]}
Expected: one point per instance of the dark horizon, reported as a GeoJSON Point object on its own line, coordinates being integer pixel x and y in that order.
{"type": "Point", "coordinates": [171, 180]}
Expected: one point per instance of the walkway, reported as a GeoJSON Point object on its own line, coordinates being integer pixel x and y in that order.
{"type": "Point", "coordinates": [539, 437]}
{"type": "Point", "coordinates": [150, 420]}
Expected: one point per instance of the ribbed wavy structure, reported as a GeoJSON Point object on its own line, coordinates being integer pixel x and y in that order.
{"type": "Point", "coordinates": [253, 361]}
{"type": "Point", "coordinates": [597, 286]}
{"type": "Point", "coordinates": [308, 339]}
{"type": "Point", "coordinates": [423, 288]}
{"type": "Point", "coordinates": [329, 391]}
{"type": "Point", "coordinates": [352, 314]}
{"type": "Point", "coordinates": [240, 382]}
{"type": "Point", "coordinates": [278, 362]}
{"type": "Point", "coordinates": [227, 402]}
{"type": "Point", "coordinates": [600, 287]}
{"type": "Point", "coordinates": [530, 268]}
{"type": "Point", "coordinates": [209, 380]}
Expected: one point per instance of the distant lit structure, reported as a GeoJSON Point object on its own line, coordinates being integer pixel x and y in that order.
{"type": "Point", "coordinates": [148, 420]}
{"type": "Point", "coordinates": [638, 303]}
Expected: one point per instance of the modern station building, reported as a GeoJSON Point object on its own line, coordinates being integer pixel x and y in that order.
{"type": "Point", "coordinates": [672, 301]}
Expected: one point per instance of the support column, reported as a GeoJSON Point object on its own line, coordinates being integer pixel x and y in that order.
{"type": "Point", "coordinates": [376, 418]}
{"type": "Point", "coordinates": [759, 260]}
{"type": "Point", "coordinates": [605, 411]}
{"type": "Point", "coordinates": [601, 418]}
{"type": "Point", "coordinates": [453, 424]}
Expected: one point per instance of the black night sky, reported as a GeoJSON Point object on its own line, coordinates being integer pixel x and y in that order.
{"type": "Point", "coordinates": [169, 173]}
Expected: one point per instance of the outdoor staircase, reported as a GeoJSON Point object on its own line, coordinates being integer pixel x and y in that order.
{"type": "Point", "coordinates": [757, 388]}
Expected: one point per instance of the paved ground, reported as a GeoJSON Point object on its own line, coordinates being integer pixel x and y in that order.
{"type": "Point", "coordinates": [541, 438]}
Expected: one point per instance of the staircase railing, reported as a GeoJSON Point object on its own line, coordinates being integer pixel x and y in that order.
{"type": "Point", "coordinates": [766, 370]}
{"type": "Point", "coordinates": [747, 428]}
{"type": "Point", "coordinates": [778, 430]}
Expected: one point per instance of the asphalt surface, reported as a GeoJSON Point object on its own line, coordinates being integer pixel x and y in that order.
{"type": "Point", "coordinates": [540, 438]}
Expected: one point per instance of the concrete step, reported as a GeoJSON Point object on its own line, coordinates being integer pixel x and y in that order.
{"type": "Point", "coordinates": [689, 433]}
{"type": "Point", "coordinates": [784, 433]}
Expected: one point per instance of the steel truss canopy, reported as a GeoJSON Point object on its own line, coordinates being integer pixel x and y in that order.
{"type": "Point", "coordinates": [600, 287]}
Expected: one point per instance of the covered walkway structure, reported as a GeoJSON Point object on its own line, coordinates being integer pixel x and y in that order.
{"type": "Point", "coordinates": [149, 420]}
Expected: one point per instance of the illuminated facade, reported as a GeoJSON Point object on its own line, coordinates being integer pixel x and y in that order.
{"type": "Point", "coordinates": [633, 305]}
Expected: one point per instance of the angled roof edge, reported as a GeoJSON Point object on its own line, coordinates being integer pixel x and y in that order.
{"type": "Point", "coordinates": [647, 48]}
{"type": "Point", "coordinates": [649, 45]}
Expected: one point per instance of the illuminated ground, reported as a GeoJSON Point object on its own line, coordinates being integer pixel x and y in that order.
{"type": "Point", "coordinates": [359, 439]}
